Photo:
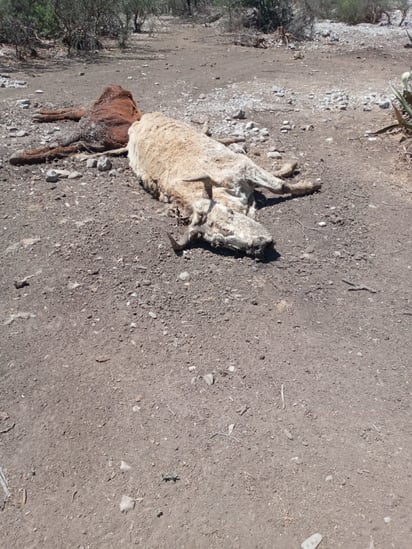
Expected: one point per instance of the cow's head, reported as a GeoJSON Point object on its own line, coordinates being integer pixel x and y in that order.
{"type": "Point", "coordinates": [223, 227]}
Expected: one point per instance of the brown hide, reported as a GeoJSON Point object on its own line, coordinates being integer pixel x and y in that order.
{"type": "Point", "coordinates": [103, 127]}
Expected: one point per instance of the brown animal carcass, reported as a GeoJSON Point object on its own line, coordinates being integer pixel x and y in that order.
{"type": "Point", "coordinates": [103, 127]}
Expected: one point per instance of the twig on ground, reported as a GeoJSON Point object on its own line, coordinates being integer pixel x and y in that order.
{"type": "Point", "coordinates": [7, 429]}
{"type": "Point", "coordinates": [219, 433]}
{"type": "Point", "coordinates": [355, 288]}
{"type": "Point", "coordinates": [282, 396]}
{"type": "Point", "coordinates": [170, 410]}
{"type": "Point", "coordinates": [3, 484]}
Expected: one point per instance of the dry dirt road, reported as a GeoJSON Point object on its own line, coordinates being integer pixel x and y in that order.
{"type": "Point", "coordinates": [306, 427]}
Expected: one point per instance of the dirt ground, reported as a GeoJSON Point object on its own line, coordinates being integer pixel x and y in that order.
{"type": "Point", "coordinates": [306, 427]}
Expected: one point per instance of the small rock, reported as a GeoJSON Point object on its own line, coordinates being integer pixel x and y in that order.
{"type": "Point", "coordinates": [250, 126]}
{"type": "Point", "coordinates": [27, 242]}
{"type": "Point", "coordinates": [312, 542]}
{"type": "Point", "coordinates": [385, 104]}
{"type": "Point", "coordinates": [184, 276]}
{"type": "Point", "coordinates": [39, 91]}
{"type": "Point", "coordinates": [21, 133]}
{"type": "Point", "coordinates": [209, 379]}
{"type": "Point", "coordinates": [52, 176]}
{"type": "Point", "coordinates": [20, 315]}
{"type": "Point", "coordinates": [152, 314]}
{"type": "Point", "coordinates": [62, 174]}
{"type": "Point", "coordinates": [127, 504]}
{"type": "Point", "coordinates": [329, 478]}
{"type": "Point", "coordinates": [91, 163]}
{"type": "Point", "coordinates": [276, 89]}
{"type": "Point", "coordinates": [274, 154]}
{"type": "Point", "coordinates": [18, 284]}
{"type": "Point", "coordinates": [387, 520]}
{"type": "Point", "coordinates": [23, 103]}
{"type": "Point", "coordinates": [288, 434]}
{"type": "Point", "coordinates": [238, 149]}
{"type": "Point", "coordinates": [124, 466]}
{"type": "Point", "coordinates": [74, 175]}
{"type": "Point", "coordinates": [104, 164]}
{"type": "Point", "coordinates": [322, 223]}
{"type": "Point", "coordinates": [239, 115]}
{"type": "Point", "coordinates": [167, 477]}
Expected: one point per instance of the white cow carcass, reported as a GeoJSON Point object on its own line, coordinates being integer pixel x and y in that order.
{"type": "Point", "coordinates": [210, 185]}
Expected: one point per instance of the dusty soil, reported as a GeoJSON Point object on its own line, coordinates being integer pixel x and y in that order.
{"type": "Point", "coordinates": [306, 427]}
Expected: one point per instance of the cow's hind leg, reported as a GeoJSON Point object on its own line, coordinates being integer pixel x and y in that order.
{"type": "Point", "coordinates": [258, 177]}
{"type": "Point", "coordinates": [37, 156]}
{"type": "Point", "coordinates": [301, 187]}
{"type": "Point", "coordinates": [59, 114]}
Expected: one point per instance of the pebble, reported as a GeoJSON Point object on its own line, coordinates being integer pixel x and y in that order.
{"type": "Point", "coordinates": [126, 504]}
{"type": "Point", "coordinates": [235, 147]}
{"type": "Point", "coordinates": [72, 285]}
{"type": "Point", "coordinates": [152, 314]}
{"type": "Point", "coordinates": [124, 466]}
{"type": "Point", "coordinates": [322, 223]}
{"type": "Point", "coordinates": [104, 164]}
{"type": "Point", "coordinates": [209, 379]}
{"type": "Point", "coordinates": [21, 133]}
{"type": "Point", "coordinates": [6, 83]}
{"type": "Point", "coordinates": [312, 542]}
{"type": "Point", "coordinates": [62, 174]}
{"type": "Point", "coordinates": [278, 91]}
{"type": "Point", "coordinates": [184, 276]}
{"type": "Point", "coordinates": [250, 126]}
{"type": "Point", "coordinates": [114, 173]}
{"type": "Point", "coordinates": [91, 163]}
{"type": "Point", "coordinates": [39, 91]}
{"type": "Point", "coordinates": [23, 103]}
{"type": "Point", "coordinates": [74, 175]}
{"type": "Point", "coordinates": [52, 176]}
{"type": "Point", "coordinates": [274, 154]}
{"type": "Point", "coordinates": [16, 316]}
{"type": "Point", "coordinates": [239, 115]}
{"type": "Point", "coordinates": [385, 104]}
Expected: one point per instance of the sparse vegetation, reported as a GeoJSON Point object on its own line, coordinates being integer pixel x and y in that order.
{"type": "Point", "coordinates": [80, 25]}
{"type": "Point", "coordinates": [362, 11]}
{"type": "Point", "coordinates": [403, 108]}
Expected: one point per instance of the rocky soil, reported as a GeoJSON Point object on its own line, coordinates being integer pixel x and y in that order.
{"type": "Point", "coordinates": [210, 400]}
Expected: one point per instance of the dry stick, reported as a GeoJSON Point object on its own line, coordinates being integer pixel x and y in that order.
{"type": "Point", "coordinates": [7, 429]}
{"type": "Point", "coordinates": [355, 288]}
{"type": "Point", "coordinates": [282, 396]}
{"type": "Point", "coordinates": [170, 410]}
{"type": "Point", "coordinates": [224, 435]}
{"type": "Point", "coordinates": [112, 152]}
{"type": "Point", "coordinates": [3, 483]}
